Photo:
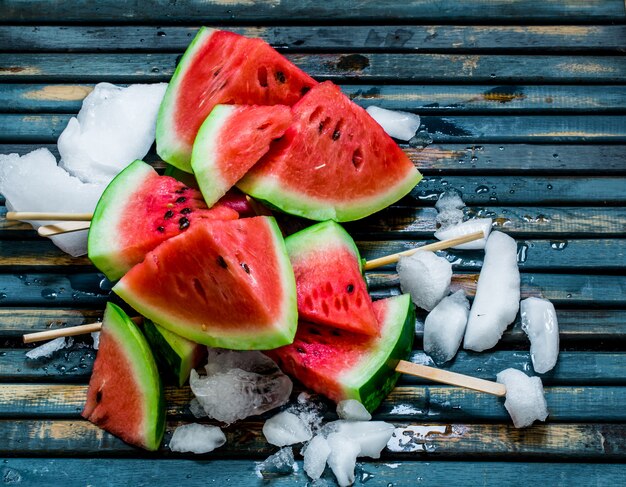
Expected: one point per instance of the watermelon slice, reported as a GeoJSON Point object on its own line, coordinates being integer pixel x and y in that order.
{"type": "Point", "coordinates": [221, 67]}
{"type": "Point", "coordinates": [175, 355]}
{"type": "Point", "coordinates": [225, 284]}
{"type": "Point", "coordinates": [137, 211]}
{"type": "Point", "coordinates": [230, 141]}
{"type": "Point", "coordinates": [334, 163]}
{"type": "Point", "coordinates": [329, 280]}
{"type": "Point", "coordinates": [343, 365]}
{"type": "Point", "coordinates": [125, 396]}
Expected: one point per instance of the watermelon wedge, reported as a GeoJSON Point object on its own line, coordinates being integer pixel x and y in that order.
{"type": "Point", "coordinates": [343, 365]}
{"type": "Point", "coordinates": [329, 280]}
{"type": "Point", "coordinates": [221, 67]}
{"type": "Point", "coordinates": [125, 395]}
{"type": "Point", "coordinates": [137, 211]}
{"type": "Point", "coordinates": [230, 141]}
{"type": "Point", "coordinates": [225, 284]}
{"type": "Point", "coordinates": [334, 162]}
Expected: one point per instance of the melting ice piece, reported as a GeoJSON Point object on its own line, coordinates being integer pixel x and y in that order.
{"type": "Point", "coordinates": [540, 324]}
{"type": "Point", "coordinates": [315, 455]}
{"type": "Point", "coordinates": [465, 228]}
{"type": "Point", "coordinates": [280, 463]}
{"type": "Point", "coordinates": [352, 410]}
{"type": "Point", "coordinates": [197, 438]}
{"type": "Point", "coordinates": [34, 182]}
{"type": "Point", "coordinates": [239, 384]}
{"type": "Point", "coordinates": [525, 401]}
{"type": "Point", "coordinates": [370, 436]}
{"type": "Point", "coordinates": [95, 336]}
{"type": "Point", "coordinates": [114, 127]}
{"type": "Point", "coordinates": [449, 207]}
{"type": "Point", "coordinates": [47, 349]}
{"type": "Point", "coordinates": [497, 294]}
{"type": "Point", "coordinates": [400, 125]}
{"type": "Point", "coordinates": [196, 409]}
{"type": "Point", "coordinates": [426, 277]}
{"type": "Point", "coordinates": [342, 457]}
{"type": "Point", "coordinates": [286, 428]}
{"type": "Point", "coordinates": [444, 327]}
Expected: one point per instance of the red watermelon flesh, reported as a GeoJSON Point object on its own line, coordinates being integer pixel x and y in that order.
{"type": "Point", "coordinates": [329, 280]}
{"type": "Point", "coordinates": [230, 141]}
{"type": "Point", "coordinates": [343, 365]}
{"type": "Point", "coordinates": [225, 284]}
{"type": "Point", "coordinates": [221, 67]}
{"type": "Point", "coordinates": [139, 210]}
{"type": "Point", "coordinates": [125, 395]}
{"type": "Point", "coordinates": [334, 162]}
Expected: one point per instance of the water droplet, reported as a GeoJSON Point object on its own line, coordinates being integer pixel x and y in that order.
{"type": "Point", "coordinates": [366, 476]}
{"type": "Point", "coordinates": [482, 189]}
{"type": "Point", "coordinates": [161, 33]}
{"type": "Point", "coordinates": [492, 75]}
{"type": "Point", "coordinates": [2, 354]}
{"type": "Point", "coordinates": [48, 293]}
{"type": "Point", "coordinates": [549, 186]}
{"type": "Point", "coordinates": [501, 148]}
{"type": "Point", "coordinates": [155, 70]}
{"type": "Point", "coordinates": [558, 244]}
{"type": "Point", "coordinates": [555, 156]}
{"type": "Point", "coordinates": [3, 295]}
{"type": "Point", "coordinates": [511, 191]}
{"type": "Point", "coordinates": [493, 198]}
{"type": "Point", "coordinates": [568, 295]}
{"type": "Point", "coordinates": [106, 285]}
{"type": "Point", "coordinates": [421, 139]}
{"type": "Point", "coordinates": [522, 253]}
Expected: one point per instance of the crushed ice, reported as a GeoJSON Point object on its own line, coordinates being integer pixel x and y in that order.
{"type": "Point", "coordinates": [451, 225]}
{"type": "Point", "coordinates": [286, 428]}
{"type": "Point", "coordinates": [49, 348]}
{"type": "Point", "coordinates": [525, 400]}
{"type": "Point", "coordinates": [280, 463]}
{"type": "Point", "coordinates": [397, 124]}
{"type": "Point", "coordinates": [352, 410]}
{"type": "Point", "coordinates": [426, 277]}
{"type": "Point", "coordinates": [197, 438]}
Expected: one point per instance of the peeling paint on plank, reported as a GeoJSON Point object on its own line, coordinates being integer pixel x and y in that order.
{"type": "Point", "coordinates": [59, 93]}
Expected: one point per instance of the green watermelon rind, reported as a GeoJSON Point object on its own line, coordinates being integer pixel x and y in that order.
{"type": "Point", "coordinates": [169, 147]}
{"type": "Point", "coordinates": [145, 373]}
{"type": "Point", "coordinates": [102, 238]}
{"type": "Point", "coordinates": [270, 191]}
{"type": "Point", "coordinates": [203, 163]}
{"type": "Point", "coordinates": [374, 376]}
{"type": "Point", "coordinates": [282, 332]}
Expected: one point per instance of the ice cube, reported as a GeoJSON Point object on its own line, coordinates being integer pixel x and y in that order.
{"type": "Point", "coordinates": [540, 324]}
{"type": "Point", "coordinates": [370, 436]}
{"type": "Point", "coordinates": [444, 327]}
{"type": "Point", "coordinates": [449, 218]}
{"type": "Point", "coordinates": [400, 125]}
{"type": "Point", "coordinates": [353, 410]}
{"type": "Point", "coordinates": [497, 294]}
{"type": "Point", "coordinates": [95, 336]}
{"type": "Point", "coordinates": [280, 463]}
{"type": "Point", "coordinates": [286, 428]}
{"type": "Point", "coordinates": [525, 401]}
{"type": "Point", "coordinates": [465, 228]}
{"type": "Point", "coordinates": [239, 384]}
{"type": "Point", "coordinates": [315, 455]}
{"type": "Point", "coordinates": [426, 277]}
{"type": "Point", "coordinates": [448, 201]}
{"type": "Point", "coordinates": [196, 409]}
{"type": "Point", "coordinates": [34, 182]}
{"type": "Point", "coordinates": [115, 126]}
{"type": "Point", "coordinates": [342, 457]}
{"type": "Point", "coordinates": [49, 348]}
{"type": "Point", "coordinates": [197, 438]}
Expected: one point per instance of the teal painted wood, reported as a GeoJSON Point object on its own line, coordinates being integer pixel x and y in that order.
{"type": "Point", "coordinates": [542, 38]}
{"type": "Point", "coordinates": [46, 128]}
{"type": "Point", "coordinates": [164, 12]}
{"type": "Point", "coordinates": [38, 255]}
{"type": "Point", "coordinates": [367, 67]}
{"type": "Point", "coordinates": [196, 473]}
{"type": "Point", "coordinates": [14, 322]}
{"type": "Point", "coordinates": [423, 99]}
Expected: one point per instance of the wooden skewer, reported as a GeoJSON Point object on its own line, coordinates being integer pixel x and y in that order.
{"type": "Point", "coordinates": [444, 244]}
{"type": "Point", "coordinates": [451, 378]}
{"type": "Point", "coordinates": [47, 216]}
{"type": "Point", "coordinates": [62, 227]}
{"type": "Point", "coordinates": [62, 332]}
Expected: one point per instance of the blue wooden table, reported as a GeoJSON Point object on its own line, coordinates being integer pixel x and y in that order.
{"type": "Point", "coordinates": [525, 103]}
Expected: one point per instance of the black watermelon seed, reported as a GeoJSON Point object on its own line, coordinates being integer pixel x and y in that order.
{"type": "Point", "coordinates": [221, 262]}
{"type": "Point", "coordinates": [185, 211]}
{"type": "Point", "coordinates": [336, 134]}
{"type": "Point", "coordinates": [350, 288]}
{"type": "Point", "coordinates": [183, 223]}
{"type": "Point", "coordinates": [161, 229]}
{"type": "Point", "coordinates": [182, 199]}
{"type": "Point", "coordinates": [300, 350]}
{"type": "Point", "coordinates": [245, 268]}
{"type": "Point", "coordinates": [280, 76]}
{"type": "Point", "coordinates": [181, 190]}
{"type": "Point", "coordinates": [304, 90]}
{"type": "Point", "coordinates": [336, 333]}
{"type": "Point", "coordinates": [314, 331]}
{"type": "Point", "coordinates": [99, 396]}
{"type": "Point", "coordinates": [168, 214]}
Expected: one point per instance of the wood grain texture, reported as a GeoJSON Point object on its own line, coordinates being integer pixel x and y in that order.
{"type": "Point", "coordinates": [14, 322]}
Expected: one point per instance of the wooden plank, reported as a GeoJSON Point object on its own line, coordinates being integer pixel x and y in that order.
{"type": "Point", "coordinates": [424, 99]}
{"type": "Point", "coordinates": [14, 322]}
{"type": "Point", "coordinates": [367, 67]}
{"type": "Point", "coordinates": [545, 442]}
{"type": "Point", "coordinates": [412, 403]}
{"type": "Point", "coordinates": [165, 12]}
{"type": "Point", "coordinates": [114, 472]}
{"type": "Point", "coordinates": [399, 38]}
{"type": "Point", "coordinates": [442, 129]}
{"type": "Point", "coordinates": [38, 253]}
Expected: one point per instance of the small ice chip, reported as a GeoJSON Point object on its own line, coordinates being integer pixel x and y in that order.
{"type": "Point", "coordinates": [540, 324]}
{"type": "Point", "coordinates": [47, 349]}
{"type": "Point", "coordinates": [465, 228]}
{"type": "Point", "coordinates": [315, 455]}
{"type": "Point", "coordinates": [497, 294]}
{"type": "Point", "coordinates": [352, 410]}
{"type": "Point", "coordinates": [525, 400]}
{"type": "Point", "coordinates": [426, 277]}
{"type": "Point", "coordinates": [342, 457]}
{"type": "Point", "coordinates": [286, 428]}
{"type": "Point", "coordinates": [197, 438]}
{"type": "Point", "coordinates": [399, 125]}
{"type": "Point", "coordinates": [196, 409]}
{"type": "Point", "coordinates": [95, 336]}
{"type": "Point", "coordinates": [280, 463]}
{"type": "Point", "coordinates": [370, 436]}
{"type": "Point", "coordinates": [445, 326]}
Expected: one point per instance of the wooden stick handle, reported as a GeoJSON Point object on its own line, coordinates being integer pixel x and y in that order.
{"type": "Point", "coordinates": [62, 332]}
{"type": "Point", "coordinates": [451, 378]}
{"type": "Point", "coordinates": [62, 227]}
{"type": "Point", "coordinates": [33, 215]}
{"type": "Point", "coordinates": [444, 244]}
